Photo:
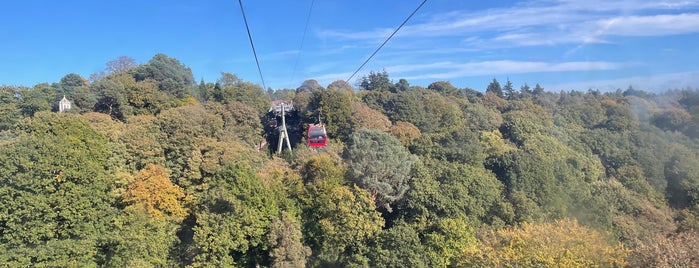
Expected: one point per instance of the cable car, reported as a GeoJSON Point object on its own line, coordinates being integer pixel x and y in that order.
{"type": "Point", "coordinates": [317, 137]}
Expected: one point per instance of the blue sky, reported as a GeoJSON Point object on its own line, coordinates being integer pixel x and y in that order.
{"type": "Point", "coordinates": [561, 44]}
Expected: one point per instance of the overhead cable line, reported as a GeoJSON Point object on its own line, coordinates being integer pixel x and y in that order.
{"type": "Point", "coordinates": [259, 70]}
{"type": "Point", "coordinates": [303, 37]}
{"type": "Point", "coordinates": [384, 42]}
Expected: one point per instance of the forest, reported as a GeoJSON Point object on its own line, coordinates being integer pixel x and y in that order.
{"type": "Point", "coordinates": [151, 168]}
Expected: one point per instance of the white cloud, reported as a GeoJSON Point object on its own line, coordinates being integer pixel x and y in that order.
{"type": "Point", "coordinates": [656, 25]}
{"type": "Point", "coordinates": [369, 34]}
{"type": "Point", "coordinates": [565, 26]}
{"type": "Point", "coordinates": [450, 70]}
{"type": "Point", "coordinates": [656, 83]}
{"type": "Point", "coordinates": [420, 67]}
{"type": "Point", "coordinates": [548, 23]}
{"type": "Point", "coordinates": [337, 50]}
{"type": "Point", "coordinates": [626, 5]}
{"type": "Point", "coordinates": [280, 55]}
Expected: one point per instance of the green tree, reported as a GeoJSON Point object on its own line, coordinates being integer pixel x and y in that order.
{"type": "Point", "coordinates": [10, 112]}
{"type": "Point", "coordinates": [619, 116]}
{"type": "Point", "coordinates": [139, 240]}
{"type": "Point", "coordinates": [334, 109]}
{"type": "Point", "coordinates": [340, 85]}
{"type": "Point", "coordinates": [441, 113]}
{"type": "Point", "coordinates": [309, 85]}
{"type": "Point", "coordinates": [38, 98]}
{"type": "Point", "coordinates": [444, 88]}
{"type": "Point", "coordinates": [682, 173]}
{"type": "Point", "coordinates": [285, 239]}
{"type": "Point", "coordinates": [447, 240]}
{"type": "Point", "coordinates": [145, 97]}
{"type": "Point", "coordinates": [379, 163]}
{"type": "Point", "coordinates": [549, 173]}
{"type": "Point", "coordinates": [205, 91]}
{"type": "Point", "coordinates": [672, 119]}
{"type": "Point", "coordinates": [230, 88]}
{"type": "Point", "coordinates": [495, 88]}
{"type": "Point", "coordinates": [76, 89]}
{"type": "Point", "coordinates": [186, 134]}
{"type": "Point", "coordinates": [282, 94]}
{"type": "Point", "coordinates": [538, 90]}
{"type": "Point", "coordinates": [405, 106]}
{"type": "Point", "coordinates": [365, 117]}
{"type": "Point", "coordinates": [232, 219]}
{"type": "Point", "coordinates": [403, 85]}
{"type": "Point", "coordinates": [442, 189]}
{"type": "Point", "coordinates": [525, 122]}
{"type": "Point", "coordinates": [482, 118]}
{"type": "Point", "coordinates": [525, 91]}
{"type": "Point", "coordinates": [376, 81]}
{"type": "Point", "coordinates": [340, 221]}
{"type": "Point", "coordinates": [55, 193]}
{"type": "Point", "coordinates": [579, 109]}
{"type": "Point", "coordinates": [112, 99]}
{"type": "Point", "coordinates": [240, 121]}
{"type": "Point", "coordinates": [509, 90]}
{"type": "Point", "coordinates": [172, 76]}
{"type": "Point", "coordinates": [69, 83]}
{"type": "Point", "coordinates": [399, 246]}
{"type": "Point", "coordinates": [84, 99]}
{"type": "Point", "coordinates": [323, 168]}
{"type": "Point", "coordinates": [405, 132]}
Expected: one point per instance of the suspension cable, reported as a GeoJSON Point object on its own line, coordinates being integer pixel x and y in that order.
{"type": "Point", "coordinates": [303, 37]}
{"type": "Point", "coordinates": [259, 70]}
{"type": "Point", "coordinates": [386, 41]}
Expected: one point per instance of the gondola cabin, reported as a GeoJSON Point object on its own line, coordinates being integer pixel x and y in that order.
{"type": "Point", "coordinates": [317, 137]}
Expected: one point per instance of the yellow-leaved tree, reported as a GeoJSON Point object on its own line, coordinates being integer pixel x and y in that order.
{"type": "Point", "coordinates": [561, 243]}
{"type": "Point", "coordinates": [153, 190]}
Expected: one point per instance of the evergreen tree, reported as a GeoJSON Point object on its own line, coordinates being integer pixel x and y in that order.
{"type": "Point", "coordinates": [376, 81]}
{"type": "Point", "coordinates": [494, 88]}
{"type": "Point", "coordinates": [379, 163]}
{"type": "Point", "coordinates": [509, 91]}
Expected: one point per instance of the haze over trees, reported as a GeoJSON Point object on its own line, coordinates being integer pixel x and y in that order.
{"type": "Point", "coordinates": [152, 169]}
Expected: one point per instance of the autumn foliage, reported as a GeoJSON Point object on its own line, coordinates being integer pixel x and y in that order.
{"type": "Point", "coordinates": [561, 243]}
{"type": "Point", "coordinates": [153, 190]}
{"type": "Point", "coordinates": [151, 169]}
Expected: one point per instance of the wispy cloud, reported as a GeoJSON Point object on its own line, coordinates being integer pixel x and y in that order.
{"type": "Point", "coordinates": [658, 82]}
{"type": "Point", "coordinates": [281, 55]}
{"type": "Point", "coordinates": [449, 70]}
{"type": "Point", "coordinates": [337, 50]}
{"type": "Point", "coordinates": [651, 25]}
{"type": "Point", "coordinates": [547, 23]}
{"type": "Point", "coordinates": [537, 37]}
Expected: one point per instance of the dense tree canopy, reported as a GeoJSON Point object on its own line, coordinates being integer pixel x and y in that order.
{"type": "Point", "coordinates": [55, 189]}
{"type": "Point", "coordinates": [149, 169]}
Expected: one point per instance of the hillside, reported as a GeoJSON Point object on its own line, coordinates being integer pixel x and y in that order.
{"type": "Point", "coordinates": [151, 169]}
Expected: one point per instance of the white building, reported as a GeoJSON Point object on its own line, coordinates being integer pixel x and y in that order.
{"type": "Point", "coordinates": [63, 105]}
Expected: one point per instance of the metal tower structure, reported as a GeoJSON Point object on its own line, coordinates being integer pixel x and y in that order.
{"type": "Point", "coordinates": [280, 108]}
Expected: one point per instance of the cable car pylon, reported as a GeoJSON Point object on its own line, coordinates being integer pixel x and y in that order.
{"type": "Point", "coordinates": [281, 108]}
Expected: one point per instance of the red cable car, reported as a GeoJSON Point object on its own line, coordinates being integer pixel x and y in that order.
{"type": "Point", "coordinates": [317, 137]}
